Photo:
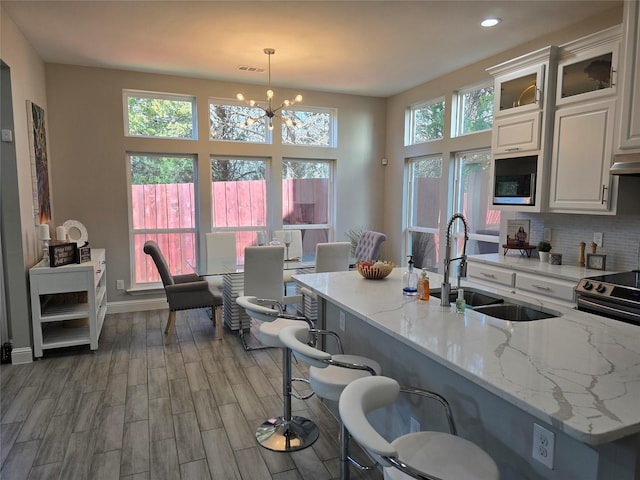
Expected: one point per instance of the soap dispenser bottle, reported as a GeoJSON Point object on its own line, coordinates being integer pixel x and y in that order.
{"type": "Point", "coordinates": [423, 286]}
{"type": "Point", "coordinates": [410, 280]}
{"type": "Point", "coordinates": [461, 304]}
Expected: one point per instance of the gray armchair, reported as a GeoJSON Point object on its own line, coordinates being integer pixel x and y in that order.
{"type": "Point", "coordinates": [185, 292]}
{"type": "Point", "coordinates": [369, 245]}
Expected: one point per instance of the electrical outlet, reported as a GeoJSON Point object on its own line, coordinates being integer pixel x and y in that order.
{"type": "Point", "coordinates": [119, 284]}
{"type": "Point", "coordinates": [546, 235]}
{"type": "Point", "coordinates": [598, 238]}
{"type": "Point", "coordinates": [543, 445]}
{"type": "Point", "coordinates": [342, 321]}
{"type": "Point", "coordinates": [414, 425]}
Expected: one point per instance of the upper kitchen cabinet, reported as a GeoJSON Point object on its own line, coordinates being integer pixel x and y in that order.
{"type": "Point", "coordinates": [521, 84]}
{"type": "Point", "coordinates": [629, 100]}
{"type": "Point", "coordinates": [584, 126]}
{"type": "Point", "coordinates": [588, 68]}
{"type": "Point", "coordinates": [524, 94]}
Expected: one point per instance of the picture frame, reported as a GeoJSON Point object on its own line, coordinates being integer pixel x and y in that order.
{"type": "Point", "coordinates": [62, 253]}
{"type": "Point", "coordinates": [596, 261]}
{"type": "Point", "coordinates": [37, 137]}
{"type": "Point", "coordinates": [518, 233]}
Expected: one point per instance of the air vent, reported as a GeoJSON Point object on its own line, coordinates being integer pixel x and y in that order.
{"type": "Point", "coordinates": [246, 68]}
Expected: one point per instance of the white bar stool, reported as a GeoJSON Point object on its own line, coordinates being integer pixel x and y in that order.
{"type": "Point", "coordinates": [422, 455]}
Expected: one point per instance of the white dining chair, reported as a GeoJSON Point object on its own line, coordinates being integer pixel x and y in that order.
{"type": "Point", "coordinates": [330, 257]}
{"type": "Point", "coordinates": [222, 255]}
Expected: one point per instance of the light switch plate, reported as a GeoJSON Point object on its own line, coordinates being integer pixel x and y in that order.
{"type": "Point", "coordinates": [598, 238]}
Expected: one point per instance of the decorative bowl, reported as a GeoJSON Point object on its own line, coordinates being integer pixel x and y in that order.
{"type": "Point", "coordinates": [375, 270]}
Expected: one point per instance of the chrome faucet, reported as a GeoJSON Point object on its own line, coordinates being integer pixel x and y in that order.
{"type": "Point", "coordinates": [462, 268]}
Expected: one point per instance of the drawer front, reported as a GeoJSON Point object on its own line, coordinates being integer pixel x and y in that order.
{"type": "Point", "coordinates": [67, 281]}
{"type": "Point", "coordinates": [545, 286]}
{"type": "Point", "coordinates": [490, 274]}
{"type": "Point", "coordinates": [517, 134]}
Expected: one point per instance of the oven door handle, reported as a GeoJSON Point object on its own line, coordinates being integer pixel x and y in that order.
{"type": "Point", "coordinates": [603, 307]}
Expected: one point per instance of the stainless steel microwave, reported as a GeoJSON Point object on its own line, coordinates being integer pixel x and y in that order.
{"type": "Point", "coordinates": [515, 181]}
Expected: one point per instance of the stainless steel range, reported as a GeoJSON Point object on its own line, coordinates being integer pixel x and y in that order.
{"type": "Point", "coordinates": [616, 296]}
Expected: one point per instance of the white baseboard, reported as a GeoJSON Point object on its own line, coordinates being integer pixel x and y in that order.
{"type": "Point", "coordinates": [137, 305]}
{"type": "Point", "coordinates": [21, 355]}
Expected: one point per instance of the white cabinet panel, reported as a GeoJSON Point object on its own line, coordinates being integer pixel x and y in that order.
{"type": "Point", "coordinates": [519, 133]}
{"type": "Point", "coordinates": [629, 128]}
{"type": "Point", "coordinates": [485, 273]}
{"type": "Point", "coordinates": [581, 157]}
{"type": "Point", "coordinates": [546, 286]}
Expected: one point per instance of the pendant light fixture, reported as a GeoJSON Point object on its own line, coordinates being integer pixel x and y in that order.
{"type": "Point", "coordinates": [269, 111]}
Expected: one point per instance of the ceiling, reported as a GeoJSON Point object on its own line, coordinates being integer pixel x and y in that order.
{"type": "Point", "coordinates": [375, 48]}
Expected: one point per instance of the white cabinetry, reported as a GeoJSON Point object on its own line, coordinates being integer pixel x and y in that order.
{"type": "Point", "coordinates": [584, 126]}
{"type": "Point", "coordinates": [68, 303]}
{"type": "Point", "coordinates": [582, 148]}
{"type": "Point", "coordinates": [539, 285]}
{"type": "Point", "coordinates": [524, 93]}
{"type": "Point", "coordinates": [629, 126]}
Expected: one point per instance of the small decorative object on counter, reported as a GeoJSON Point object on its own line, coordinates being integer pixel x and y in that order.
{"type": "Point", "coordinates": [423, 286]}
{"type": "Point", "coordinates": [555, 258]}
{"type": "Point", "coordinates": [460, 302]}
{"type": "Point", "coordinates": [374, 270]}
{"type": "Point", "coordinates": [543, 251]}
{"type": "Point", "coordinates": [594, 246]}
{"type": "Point", "coordinates": [410, 280]}
{"type": "Point", "coordinates": [581, 254]}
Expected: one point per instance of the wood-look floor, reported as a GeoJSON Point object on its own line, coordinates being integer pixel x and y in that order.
{"type": "Point", "coordinates": [137, 409]}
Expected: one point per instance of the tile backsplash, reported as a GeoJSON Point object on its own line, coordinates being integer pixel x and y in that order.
{"type": "Point", "coordinates": [621, 241]}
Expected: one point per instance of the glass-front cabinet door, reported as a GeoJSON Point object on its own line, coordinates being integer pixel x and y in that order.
{"type": "Point", "coordinates": [519, 91]}
{"type": "Point", "coordinates": [586, 73]}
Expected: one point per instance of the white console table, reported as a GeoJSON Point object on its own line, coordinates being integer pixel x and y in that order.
{"type": "Point", "coordinates": [62, 298]}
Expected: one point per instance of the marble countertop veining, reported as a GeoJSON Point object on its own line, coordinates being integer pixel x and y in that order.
{"type": "Point", "coordinates": [578, 372]}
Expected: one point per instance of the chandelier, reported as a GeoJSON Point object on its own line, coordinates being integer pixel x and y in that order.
{"type": "Point", "coordinates": [268, 110]}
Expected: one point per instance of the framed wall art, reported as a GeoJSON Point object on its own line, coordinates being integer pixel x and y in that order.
{"type": "Point", "coordinates": [37, 134]}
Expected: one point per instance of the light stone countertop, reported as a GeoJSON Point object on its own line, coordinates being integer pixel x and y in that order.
{"type": "Point", "coordinates": [534, 265]}
{"type": "Point", "coordinates": [579, 372]}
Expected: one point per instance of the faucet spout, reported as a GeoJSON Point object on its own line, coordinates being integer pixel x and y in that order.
{"type": "Point", "coordinates": [462, 271]}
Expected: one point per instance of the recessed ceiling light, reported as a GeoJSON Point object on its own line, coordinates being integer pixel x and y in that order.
{"type": "Point", "coordinates": [490, 22]}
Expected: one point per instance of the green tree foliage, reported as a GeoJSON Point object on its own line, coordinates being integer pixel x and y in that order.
{"type": "Point", "coordinates": [229, 170]}
{"type": "Point", "coordinates": [157, 117]}
{"type": "Point", "coordinates": [154, 170]}
{"type": "Point", "coordinates": [478, 110]}
{"type": "Point", "coordinates": [295, 169]}
{"type": "Point", "coordinates": [429, 123]}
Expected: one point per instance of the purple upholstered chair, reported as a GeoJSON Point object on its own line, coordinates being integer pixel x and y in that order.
{"type": "Point", "coordinates": [369, 245]}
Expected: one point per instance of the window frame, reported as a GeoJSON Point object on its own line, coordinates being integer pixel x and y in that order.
{"type": "Point", "coordinates": [269, 195]}
{"type": "Point", "coordinates": [411, 229]}
{"type": "Point", "coordinates": [268, 138]}
{"type": "Point", "coordinates": [331, 194]}
{"type": "Point", "coordinates": [132, 93]}
{"type": "Point", "coordinates": [133, 232]}
{"type": "Point", "coordinates": [457, 118]}
{"type": "Point", "coordinates": [333, 125]}
{"type": "Point", "coordinates": [410, 124]}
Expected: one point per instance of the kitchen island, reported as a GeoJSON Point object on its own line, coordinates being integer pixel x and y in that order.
{"type": "Point", "coordinates": [577, 375]}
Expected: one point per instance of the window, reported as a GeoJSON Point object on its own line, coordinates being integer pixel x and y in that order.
{"type": "Point", "coordinates": [312, 127]}
{"type": "Point", "coordinates": [307, 190]}
{"type": "Point", "coordinates": [473, 199]}
{"type": "Point", "coordinates": [235, 121]}
{"type": "Point", "coordinates": [240, 198]}
{"type": "Point", "coordinates": [160, 115]}
{"type": "Point", "coordinates": [474, 112]}
{"type": "Point", "coordinates": [425, 182]}
{"type": "Point", "coordinates": [163, 206]}
{"type": "Point", "coordinates": [426, 122]}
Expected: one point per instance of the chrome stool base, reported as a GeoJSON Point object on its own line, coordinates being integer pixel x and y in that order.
{"type": "Point", "coordinates": [282, 435]}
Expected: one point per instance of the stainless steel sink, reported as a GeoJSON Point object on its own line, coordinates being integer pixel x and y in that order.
{"type": "Point", "coordinates": [515, 312]}
{"type": "Point", "coordinates": [473, 297]}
